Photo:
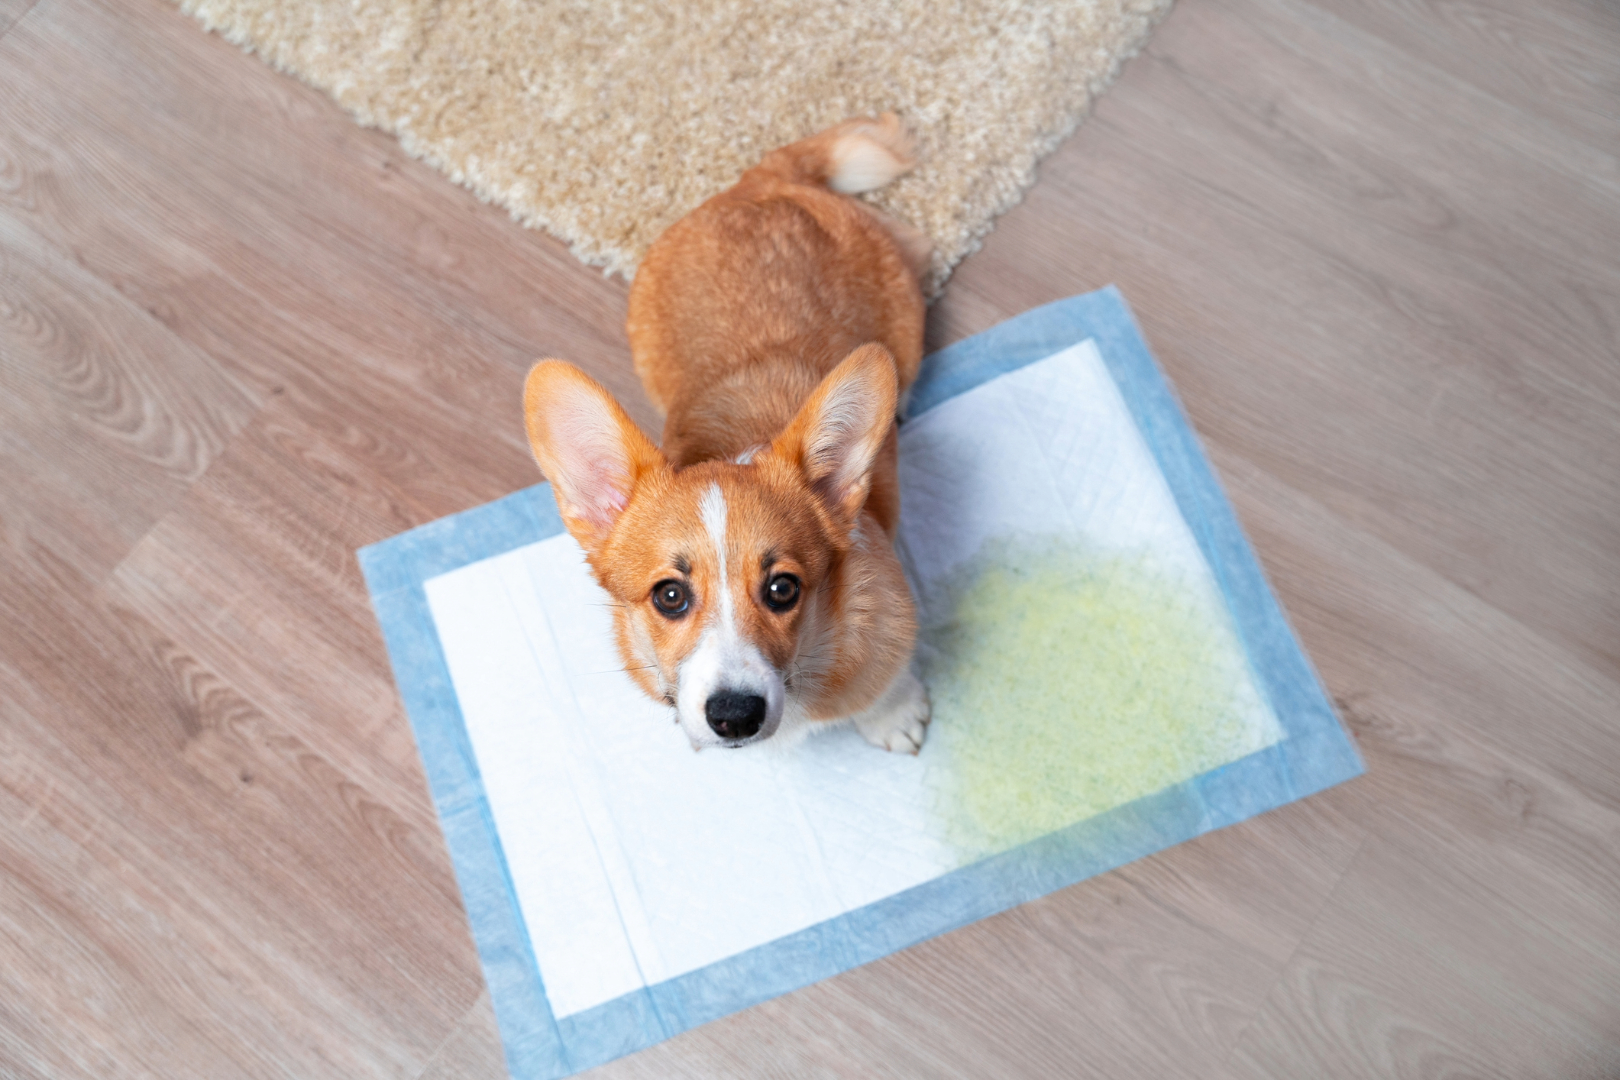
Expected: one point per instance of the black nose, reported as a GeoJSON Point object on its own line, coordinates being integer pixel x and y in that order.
{"type": "Point", "coordinates": [734, 716]}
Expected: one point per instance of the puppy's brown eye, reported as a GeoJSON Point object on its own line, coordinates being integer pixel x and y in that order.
{"type": "Point", "coordinates": [782, 592]}
{"type": "Point", "coordinates": [669, 597]}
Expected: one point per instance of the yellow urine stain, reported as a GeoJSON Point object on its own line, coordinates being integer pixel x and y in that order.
{"type": "Point", "coordinates": [1067, 682]}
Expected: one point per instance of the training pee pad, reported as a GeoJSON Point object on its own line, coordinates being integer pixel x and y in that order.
{"type": "Point", "coordinates": [1109, 671]}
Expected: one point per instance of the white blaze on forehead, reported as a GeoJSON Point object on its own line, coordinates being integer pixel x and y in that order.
{"type": "Point", "coordinates": [723, 660]}
{"type": "Point", "coordinates": [713, 511]}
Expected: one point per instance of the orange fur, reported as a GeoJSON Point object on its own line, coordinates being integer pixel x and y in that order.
{"type": "Point", "coordinates": [778, 322]}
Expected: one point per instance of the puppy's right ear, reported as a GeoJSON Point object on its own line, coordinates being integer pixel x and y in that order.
{"type": "Point", "coordinates": [835, 439]}
{"type": "Point", "coordinates": [587, 446]}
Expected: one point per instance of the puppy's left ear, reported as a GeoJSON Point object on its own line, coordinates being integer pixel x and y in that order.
{"type": "Point", "coordinates": [835, 439]}
{"type": "Point", "coordinates": [588, 447]}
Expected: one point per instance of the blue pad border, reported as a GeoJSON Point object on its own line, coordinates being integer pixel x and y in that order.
{"type": "Point", "coordinates": [1314, 753]}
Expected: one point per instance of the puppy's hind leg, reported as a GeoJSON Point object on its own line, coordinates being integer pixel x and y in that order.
{"type": "Point", "coordinates": [916, 248]}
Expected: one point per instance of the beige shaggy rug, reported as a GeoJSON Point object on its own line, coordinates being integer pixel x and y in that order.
{"type": "Point", "coordinates": [603, 121]}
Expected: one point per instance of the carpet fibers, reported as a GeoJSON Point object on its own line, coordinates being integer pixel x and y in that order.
{"type": "Point", "coordinates": [603, 121]}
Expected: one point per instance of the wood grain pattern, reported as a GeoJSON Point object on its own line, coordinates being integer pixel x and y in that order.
{"type": "Point", "coordinates": [11, 11]}
{"type": "Point", "coordinates": [1468, 347]}
{"type": "Point", "coordinates": [106, 419]}
{"type": "Point", "coordinates": [1372, 241]}
{"type": "Point", "coordinates": [430, 285]}
{"type": "Point", "coordinates": [1558, 60]}
{"type": "Point", "coordinates": [127, 761]}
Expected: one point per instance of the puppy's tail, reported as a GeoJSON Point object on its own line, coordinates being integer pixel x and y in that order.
{"type": "Point", "coordinates": [856, 156]}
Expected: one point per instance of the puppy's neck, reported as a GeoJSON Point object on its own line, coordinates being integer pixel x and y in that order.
{"type": "Point", "coordinates": [746, 408]}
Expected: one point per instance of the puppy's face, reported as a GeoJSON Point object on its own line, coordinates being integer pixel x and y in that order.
{"type": "Point", "coordinates": [718, 572]}
{"type": "Point", "coordinates": [721, 572]}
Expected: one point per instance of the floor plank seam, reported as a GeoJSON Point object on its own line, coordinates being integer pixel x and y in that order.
{"type": "Point", "coordinates": [1347, 30]}
{"type": "Point", "coordinates": [260, 399]}
{"type": "Point", "coordinates": [1579, 663]}
{"type": "Point", "coordinates": [6, 29]}
{"type": "Point", "coordinates": [1310, 928]}
{"type": "Point", "coordinates": [450, 1036]}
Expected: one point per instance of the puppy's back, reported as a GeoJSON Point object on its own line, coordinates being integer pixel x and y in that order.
{"type": "Point", "coordinates": [784, 268]}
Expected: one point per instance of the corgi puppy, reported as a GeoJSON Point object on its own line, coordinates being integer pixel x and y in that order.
{"type": "Point", "coordinates": [751, 559]}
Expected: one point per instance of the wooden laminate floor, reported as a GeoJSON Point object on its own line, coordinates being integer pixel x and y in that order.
{"type": "Point", "coordinates": [1375, 243]}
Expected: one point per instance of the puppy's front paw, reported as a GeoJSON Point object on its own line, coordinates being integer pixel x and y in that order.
{"type": "Point", "coordinates": [898, 720]}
